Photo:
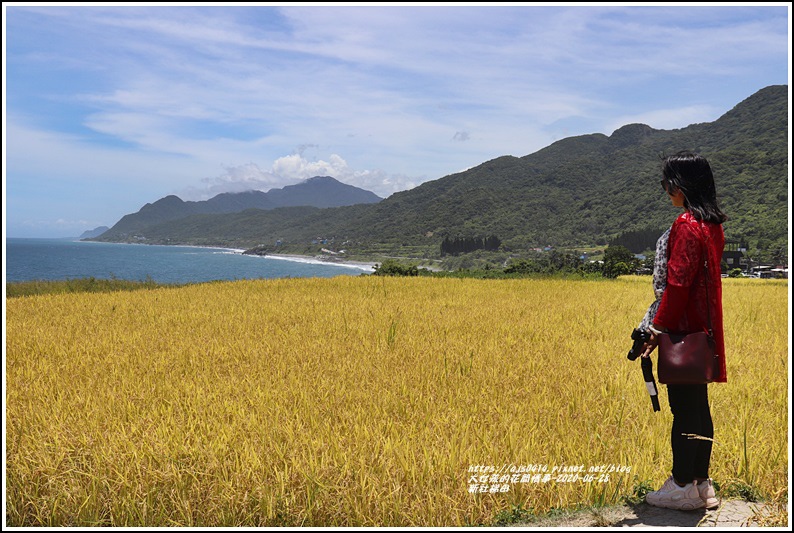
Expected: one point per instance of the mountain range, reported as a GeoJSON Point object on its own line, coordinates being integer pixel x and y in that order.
{"type": "Point", "coordinates": [319, 191]}
{"type": "Point", "coordinates": [577, 192]}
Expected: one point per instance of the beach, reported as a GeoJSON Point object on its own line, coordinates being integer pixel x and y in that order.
{"type": "Point", "coordinates": [323, 259]}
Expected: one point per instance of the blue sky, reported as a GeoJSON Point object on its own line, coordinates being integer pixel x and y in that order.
{"type": "Point", "coordinates": [109, 107]}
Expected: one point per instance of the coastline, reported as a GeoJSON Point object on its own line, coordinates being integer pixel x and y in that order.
{"type": "Point", "coordinates": [317, 260]}
{"type": "Point", "coordinates": [41, 259]}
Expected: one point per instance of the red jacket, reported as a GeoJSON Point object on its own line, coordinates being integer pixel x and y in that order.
{"type": "Point", "coordinates": [683, 307]}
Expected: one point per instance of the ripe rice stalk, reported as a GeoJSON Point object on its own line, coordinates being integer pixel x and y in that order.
{"type": "Point", "coordinates": [363, 401]}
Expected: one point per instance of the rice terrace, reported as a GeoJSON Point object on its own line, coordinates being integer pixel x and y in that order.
{"type": "Point", "coordinates": [364, 401]}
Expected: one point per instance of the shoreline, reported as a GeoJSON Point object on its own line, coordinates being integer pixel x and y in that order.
{"type": "Point", "coordinates": [319, 260]}
{"type": "Point", "coordinates": [194, 263]}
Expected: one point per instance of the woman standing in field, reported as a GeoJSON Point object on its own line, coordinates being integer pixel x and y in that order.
{"type": "Point", "coordinates": [686, 305]}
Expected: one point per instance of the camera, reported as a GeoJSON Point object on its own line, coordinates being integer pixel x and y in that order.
{"type": "Point", "coordinates": [640, 337]}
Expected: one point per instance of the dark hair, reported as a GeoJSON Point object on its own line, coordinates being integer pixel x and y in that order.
{"type": "Point", "coordinates": [691, 174]}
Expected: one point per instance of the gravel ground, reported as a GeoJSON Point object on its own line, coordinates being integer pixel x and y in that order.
{"type": "Point", "coordinates": [730, 513]}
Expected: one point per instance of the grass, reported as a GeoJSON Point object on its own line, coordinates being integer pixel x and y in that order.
{"type": "Point", "coordinates": [77, 285]}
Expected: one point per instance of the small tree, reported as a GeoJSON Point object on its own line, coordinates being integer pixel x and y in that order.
{"type": "Point", "coordinates": [618, 261]}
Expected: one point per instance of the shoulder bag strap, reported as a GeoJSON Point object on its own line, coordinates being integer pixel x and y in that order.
{"type": "Point", "coordinates": [706, 278]}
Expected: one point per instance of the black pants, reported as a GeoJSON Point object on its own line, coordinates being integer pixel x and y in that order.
{"type": "Point", "coordinates": [691, 416]}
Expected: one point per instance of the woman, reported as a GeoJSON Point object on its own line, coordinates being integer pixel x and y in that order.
{"type": "Point", "coordinates": [686, 304]}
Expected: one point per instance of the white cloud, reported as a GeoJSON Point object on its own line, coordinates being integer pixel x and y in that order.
{"type": "Point", "coordinates": [75, 159]}
{"type": "Point", "coordinates": [382, 184]}
{"type": "Point", "coordinates": [380, 97]}
{"type": "Point", "coordinates": [248, 177]}
{"type": "Point", "coordinates": [295, 168]}
{"type": "Point", "coordinates": [182, 73]}
{"type": "Point", "coordinates": [72, 223]}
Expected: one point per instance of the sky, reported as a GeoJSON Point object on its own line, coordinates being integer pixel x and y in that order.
{"type": "Point", "coordinates": [107, 107]}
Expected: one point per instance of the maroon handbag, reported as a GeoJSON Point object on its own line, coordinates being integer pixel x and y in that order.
{"type": "Point", "coordinates": [688, 359]}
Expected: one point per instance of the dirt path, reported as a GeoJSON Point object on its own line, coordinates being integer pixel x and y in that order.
{"type": "Point", "coordinates": [730, 513]}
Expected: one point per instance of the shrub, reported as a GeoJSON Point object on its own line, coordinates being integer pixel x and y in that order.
{"type": "Point", "coordinates": [390, 267]}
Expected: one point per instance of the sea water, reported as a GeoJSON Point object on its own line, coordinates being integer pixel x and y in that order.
{"type": "Point", "coordinates": [61, 259]}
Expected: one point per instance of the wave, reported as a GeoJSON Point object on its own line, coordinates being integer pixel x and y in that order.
{"type": "Point", "coordinates": [314, 261]}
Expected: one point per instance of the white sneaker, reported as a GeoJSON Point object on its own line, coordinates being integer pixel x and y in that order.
{"type": "Point", "coordinates": [707, 494]}
{"type": "Point", "coordinates": [671, 496]}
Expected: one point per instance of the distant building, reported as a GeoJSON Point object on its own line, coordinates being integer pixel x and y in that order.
{"type": "Point", "coordinates": [734, 257]}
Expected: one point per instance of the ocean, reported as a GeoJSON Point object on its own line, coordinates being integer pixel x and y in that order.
{"type": "Point", "coordinates": [61, 259]}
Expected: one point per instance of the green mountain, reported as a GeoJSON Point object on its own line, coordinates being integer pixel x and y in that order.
{"type": "Point", "coordinates": [578, 192]}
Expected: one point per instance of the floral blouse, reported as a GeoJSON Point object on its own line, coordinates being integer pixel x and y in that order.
{"type": "Point", "coordinates": [659, 279]}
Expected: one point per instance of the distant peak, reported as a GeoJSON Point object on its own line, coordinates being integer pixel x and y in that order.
{"type": "Point", "coordinates": [241, 193]}
{"type": "Point", "coordinates": [630, 134]}
{"type": "Point", "coordinates": [633, 130]}
{"type": "Point", "coordinates": [171, 198]}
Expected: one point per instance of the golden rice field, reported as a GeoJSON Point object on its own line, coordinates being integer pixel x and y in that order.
{"type": "Point", "coordinates": [362, 401]}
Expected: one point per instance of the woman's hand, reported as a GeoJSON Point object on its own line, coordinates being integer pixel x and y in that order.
{"type": "Point", "coordinates": [650, 346]}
